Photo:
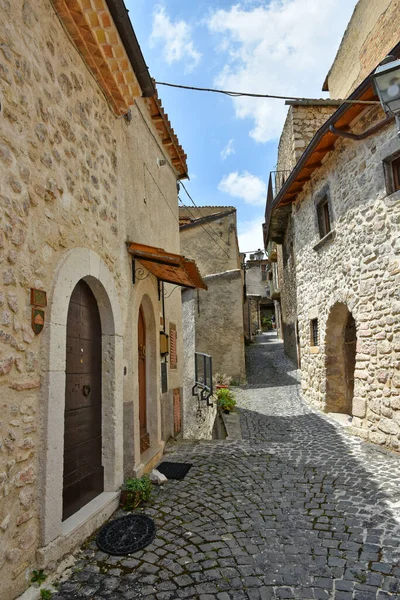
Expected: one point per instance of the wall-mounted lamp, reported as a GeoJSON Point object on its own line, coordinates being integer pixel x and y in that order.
{"type": "Point", "coordinates": [387, 83]}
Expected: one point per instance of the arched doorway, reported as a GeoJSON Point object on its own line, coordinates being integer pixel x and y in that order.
{"type": "Point", "coordinates": [83, 477]}
{"type": "Point", "coordinates": [144, 433]}
{"type": "Point", "coordinates": [340, 347]}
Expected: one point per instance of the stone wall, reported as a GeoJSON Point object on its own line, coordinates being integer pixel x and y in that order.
{"type": "Point", "coordinates": [219, 316]}
{"type": "Point", "coordinates": [358, 266]}
{"type": "Point", "coordinates": [370, 35]}
{"type": "Point", "coordinates": [73, 176]}
{"type": "Point", "coordinates": [302, 122]}
{"type": "Point", "coordinates": [219, 323]}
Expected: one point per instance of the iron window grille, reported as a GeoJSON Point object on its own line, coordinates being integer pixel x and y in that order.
{"type": "Point", "coordinates": [314, 331]}
{"type": "Point", "coordinates": [324, 219]}
{"type": "Point", "coordinates": [203, 384]}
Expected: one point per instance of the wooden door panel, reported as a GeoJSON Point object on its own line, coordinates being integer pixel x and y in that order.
{"type": "Point", "coordinates": [82, 425]}
{"type": "Point", "coordinates": [75, 385]}
{"type": "Point", "coordinates": [144, 436]}
{"type": "Point", "coordinates": [83, 471]}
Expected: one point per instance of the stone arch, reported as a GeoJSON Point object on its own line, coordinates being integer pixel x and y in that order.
{"type": "Point", "coordinates": [340, 359]}
{"type": "Point", "coordinates": [79, 264]}
{"type": "Point", "coordinates": [144, 294]}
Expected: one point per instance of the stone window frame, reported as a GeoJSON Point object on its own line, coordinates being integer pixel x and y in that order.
{"type": "Point", "coordinates": [324, 197]}
{"type": "Point", "coordinates": [392, 179]}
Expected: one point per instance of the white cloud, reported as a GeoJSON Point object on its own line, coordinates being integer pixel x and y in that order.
{"type": "Point", "coordinates": [228, 150]}
{"type": "Point", "coordinates": [246, 186]}
{"type": "Point", "coordinates": [251, 235]}
{"type": "Point", "coordinates": [282, 47]}
{"type": "Point", "coordinates": [175, 39]}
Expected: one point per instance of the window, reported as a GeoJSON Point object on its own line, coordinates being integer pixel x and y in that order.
{"type": "Point", "coordinates": [396, 174]}
{"type": "Point", "coordinates": [314, 332]}
{"type": "Point", "coordinates": [263, 272]}
{"type": "Point", "coordinates": [391, 167]}
{"type": "Point", "coordinates": [324, 221]}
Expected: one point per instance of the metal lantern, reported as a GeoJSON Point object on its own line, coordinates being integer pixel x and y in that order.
{"type": "Point", "coordinates": [387, 83]}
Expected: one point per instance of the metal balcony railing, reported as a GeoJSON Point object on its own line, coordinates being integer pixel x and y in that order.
{"type": "Point", "coordinates": [203, 384]}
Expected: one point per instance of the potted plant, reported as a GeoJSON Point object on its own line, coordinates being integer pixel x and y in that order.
{"type": "Point", "coordinates": [225, 400]}
{"type": "Point", "coordinates": [221, 381]}
{"type": "Point", "coordinates": [134, 492]}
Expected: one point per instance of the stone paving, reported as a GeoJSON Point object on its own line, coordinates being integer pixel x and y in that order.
{"type": "Point", "coordinates": [296, 509]}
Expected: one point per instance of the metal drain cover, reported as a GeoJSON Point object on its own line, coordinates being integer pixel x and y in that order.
{"type": "Point", "coordinates": [126, 535]}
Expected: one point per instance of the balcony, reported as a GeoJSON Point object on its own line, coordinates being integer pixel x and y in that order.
{"type": "Point", "coordinates": [276, 181]}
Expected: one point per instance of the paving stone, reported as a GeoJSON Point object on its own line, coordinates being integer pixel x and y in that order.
{"type": "Point", "coordinates": [297, 508]}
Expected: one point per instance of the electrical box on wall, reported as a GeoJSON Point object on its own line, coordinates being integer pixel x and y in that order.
{"type": "Point", "coordinates": [164, 347]}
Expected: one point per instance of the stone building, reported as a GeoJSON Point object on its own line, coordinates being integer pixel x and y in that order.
{"type": "Point", "coordinates": [335, 216]}
{"type": "Point", "coordinates": [89, 166]}
{"type": "Point", "coordinates": [258, 304]}
{"type": "Point", "coordinates": [209, 236]}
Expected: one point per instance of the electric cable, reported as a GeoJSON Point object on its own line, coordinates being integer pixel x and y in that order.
{"type": "Point", "coordinates": [271, 96]}
{"type": "Point", "coordinates": [206, 230]}
{"type": "Point", "coordinates": [198, 208]}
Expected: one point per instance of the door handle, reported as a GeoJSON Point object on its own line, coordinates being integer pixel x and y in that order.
{"type": "Point", "coordinates": [86, 390]}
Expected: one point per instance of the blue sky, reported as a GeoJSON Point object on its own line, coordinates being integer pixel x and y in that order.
{"type": "Point", "coordinates": [263, 46]}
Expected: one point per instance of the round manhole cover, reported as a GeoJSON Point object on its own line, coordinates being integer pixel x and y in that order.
{"type": "Point", "coordinates": [126, 535]}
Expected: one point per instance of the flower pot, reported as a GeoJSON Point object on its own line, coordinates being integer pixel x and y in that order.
{"type": "Point", "coordinates": [129, 500]}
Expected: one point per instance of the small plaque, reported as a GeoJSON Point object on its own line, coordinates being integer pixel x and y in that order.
{"type": "Point", "coordinates": [38, 297]}
{"type": "Point", "coordinates": [37, 320]}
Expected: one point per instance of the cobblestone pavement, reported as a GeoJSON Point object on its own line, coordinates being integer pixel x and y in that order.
{"type": "Point", "coordinates": [296, 509]}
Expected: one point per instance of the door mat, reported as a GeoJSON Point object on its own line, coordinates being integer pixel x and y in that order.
{"type": "Point", "coordinates": [126, 535]}
{"type": "Point", "coordinates": [173, 470]}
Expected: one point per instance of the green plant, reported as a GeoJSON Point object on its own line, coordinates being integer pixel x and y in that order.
{"type": "Point", "coordinates": [225, 400]}
{"type": "Point", "coordinates": [38, 576]}
{"type": "Point", "coordinates": [266, 323]}
{"type": "Point", "coordinates": [46, 594]}
{"type": "Point", "coordinates": [135, 491]}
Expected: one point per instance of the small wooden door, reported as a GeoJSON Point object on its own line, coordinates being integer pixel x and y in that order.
{"type": "Point", "coordinates": [83, 471]}
{"type": "Point", "coordinates": [144, 436]}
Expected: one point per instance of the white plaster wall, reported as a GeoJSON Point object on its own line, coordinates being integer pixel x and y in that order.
{"type": "Point", "coordinates": [198, 418]}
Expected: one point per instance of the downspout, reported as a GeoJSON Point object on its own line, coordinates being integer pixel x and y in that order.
{"type": "Point", "coordinates": [123, 23]}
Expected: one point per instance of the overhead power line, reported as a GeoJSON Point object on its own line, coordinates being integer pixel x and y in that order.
{"type": "Point", "coordinates": [206, 230]}
{"type": "Point", "coordinates": [250, 95]}
{"type": "Point", "coordinates": [199, 209]}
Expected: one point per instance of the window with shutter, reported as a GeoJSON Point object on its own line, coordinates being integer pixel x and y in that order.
{"type": "Point", "coordinates": [173, 357]}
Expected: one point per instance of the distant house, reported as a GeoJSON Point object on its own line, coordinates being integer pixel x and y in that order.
{"type": "Point", "coordinates": [209, 236]}
{"type": "Point", "coordinates": [333, 211]}
{"type": "Point", "coordinates": [258, 306]}
{"type": "Point", "coordinates": [90, 253]}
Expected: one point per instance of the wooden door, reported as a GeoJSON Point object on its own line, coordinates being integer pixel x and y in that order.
{"type": "Point", "coordinates": [83, 471]}
{"type": "Point", "coordinates": [144, 436]}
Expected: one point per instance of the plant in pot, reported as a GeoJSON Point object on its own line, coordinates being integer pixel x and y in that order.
{"type": "Point", "coordinates": [225, 400]}
{"type": "Point", "coordinates": [221, 381]}
{"type": "Point", "coordinates": [135, 491]}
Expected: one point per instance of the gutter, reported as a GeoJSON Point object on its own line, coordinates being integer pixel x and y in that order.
{"type": "Point", "coordinates": [123, 23]}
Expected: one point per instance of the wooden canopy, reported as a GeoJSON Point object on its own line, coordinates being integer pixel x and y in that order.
{"type": "Point", "coordinates": [168, 267]}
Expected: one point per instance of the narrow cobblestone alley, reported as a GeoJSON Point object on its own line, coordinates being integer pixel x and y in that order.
{"type": "Point", "coordinates": [298, 508]}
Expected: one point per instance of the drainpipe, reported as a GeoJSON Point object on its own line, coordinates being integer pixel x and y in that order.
{"type": "Point", "coordinates": [365, 134]}
{"type": "Point", "coordinates": [123, 23]}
